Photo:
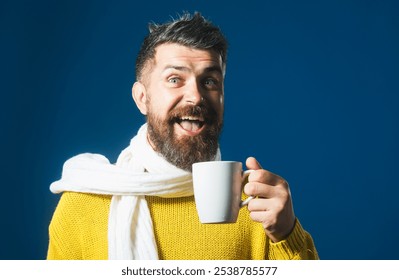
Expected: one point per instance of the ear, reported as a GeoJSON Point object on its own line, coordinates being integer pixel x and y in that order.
{"type": "Point", "coordinates": [139, 94]}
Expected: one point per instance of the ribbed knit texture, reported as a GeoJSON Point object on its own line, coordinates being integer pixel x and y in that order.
{"type": "Point", "coordinates": [78, 230]}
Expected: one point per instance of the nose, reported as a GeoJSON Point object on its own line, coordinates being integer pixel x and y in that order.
{"type": "Point", "coordinates": [193, 94]}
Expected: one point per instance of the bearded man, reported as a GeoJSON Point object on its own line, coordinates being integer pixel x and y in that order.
{"type": "Point", "coordinates": [143, 207]}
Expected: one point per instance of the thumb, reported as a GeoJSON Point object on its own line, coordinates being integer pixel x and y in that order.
{"type": "Point", "coordinates": [253, 164]}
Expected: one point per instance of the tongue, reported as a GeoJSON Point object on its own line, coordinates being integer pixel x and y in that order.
{"type": "Point", "coordinates": [190, 125]}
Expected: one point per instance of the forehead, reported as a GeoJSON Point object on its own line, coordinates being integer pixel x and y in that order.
{"type": "Point", "coordinates": [175, 54]}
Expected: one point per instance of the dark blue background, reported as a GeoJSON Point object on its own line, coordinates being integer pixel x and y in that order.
{"type": "Point", "coordinates": [311, 91]}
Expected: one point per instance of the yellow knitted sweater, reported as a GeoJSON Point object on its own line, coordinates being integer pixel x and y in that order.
{"type": "Point", "coordinates": [78, 230]}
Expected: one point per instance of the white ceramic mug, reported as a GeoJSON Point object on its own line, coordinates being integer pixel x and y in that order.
{"type": "Point", "coordinates": [218, 187]}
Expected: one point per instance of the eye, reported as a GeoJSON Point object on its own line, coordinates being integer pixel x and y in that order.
{"type": "Point", "coordinates": [174, 80]}
{"type": "Point", "coordinates": [211, 83]}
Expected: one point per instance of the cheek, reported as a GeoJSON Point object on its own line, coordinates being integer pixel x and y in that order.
{"type": "Point", "coordinates": [159, 111]}
{"type": "Point", "coordinates": [221, 101]}
{"type": "Point", "coordinates": [218, 105]}
{"type": "Point", "coordinates": [161, 104]}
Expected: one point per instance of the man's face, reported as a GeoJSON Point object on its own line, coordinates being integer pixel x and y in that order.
{"type": "Point", "coordinates": [183, 99]}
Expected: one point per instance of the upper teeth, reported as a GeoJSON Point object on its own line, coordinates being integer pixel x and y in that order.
{"type": "Point", "coordinates": [189, 118]}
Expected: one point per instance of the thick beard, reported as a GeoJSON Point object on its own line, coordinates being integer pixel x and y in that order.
{"type": "Point", "coordinates": [185, 150]}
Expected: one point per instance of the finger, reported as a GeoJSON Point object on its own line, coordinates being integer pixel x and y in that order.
{"type": "Point", "coordinates": [266, 218]}
{"type": "Point", "coordinates": [259, 189]}
{"type": "Point", "coordinates": [265, 177]}
{"type": "Point", "coordinates": [253, 164]}
{"type": "Point", "coordinates": [261, 175]}
{"type": "Point", "coordinates": [259, 204]}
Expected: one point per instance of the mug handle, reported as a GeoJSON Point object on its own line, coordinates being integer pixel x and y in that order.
{"type": "Point", "coordinates": [245, 174]}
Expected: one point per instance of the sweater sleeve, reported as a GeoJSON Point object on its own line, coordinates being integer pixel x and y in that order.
{"type": "Point", "coordinates": [78, 229]}
{"type": "Point", "coordinates": [298, 246]}
{"type": "Point", "coordinates": [64, 231]}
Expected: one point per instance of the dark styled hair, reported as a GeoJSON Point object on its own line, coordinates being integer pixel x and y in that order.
{"type": "Point", "coordinates": [192, 31]}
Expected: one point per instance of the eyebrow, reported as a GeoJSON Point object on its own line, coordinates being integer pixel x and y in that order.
{"type": "Point", "coordinates": [176, 67]}
{"type": "Point", "coordinates": [215, 68]}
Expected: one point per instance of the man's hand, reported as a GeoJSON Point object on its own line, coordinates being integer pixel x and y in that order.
{"type": "Point", "coordinates": [272, 206]}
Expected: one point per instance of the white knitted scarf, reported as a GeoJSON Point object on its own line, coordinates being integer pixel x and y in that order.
{"type": "Point", "coordinates": [138, 172]}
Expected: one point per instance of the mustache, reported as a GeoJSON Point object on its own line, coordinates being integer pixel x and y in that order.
{"type": "Point", "coordinates": [207, 113]}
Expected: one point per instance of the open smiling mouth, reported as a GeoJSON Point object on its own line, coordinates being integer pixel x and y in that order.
{"type": "Point", "coordinates": [190, 123]}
